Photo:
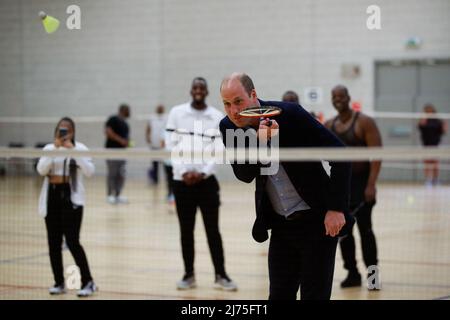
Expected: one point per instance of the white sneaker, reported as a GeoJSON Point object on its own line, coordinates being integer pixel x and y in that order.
{"type": "Point", "coordinates": [111, 200]}
{"type": "Point", "coordinates": [122, 200]}
{"type": "Point", "coordinates": [87, 290]}
{"type": "Point", "coordinates": [188, 282]}
{"type": "Point", "coordinates": [224, 283]}
{"type": "Point", "coordinates": [57, 289]}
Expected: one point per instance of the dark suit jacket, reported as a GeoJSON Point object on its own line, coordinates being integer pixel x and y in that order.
{"type": "Point", "coordinates": [320, 191]}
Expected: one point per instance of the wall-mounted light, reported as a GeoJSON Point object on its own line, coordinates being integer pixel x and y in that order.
{"type": "Point", "coordinates": [350, 70]}
{"type": "Point", "coordinates": [413, 43]}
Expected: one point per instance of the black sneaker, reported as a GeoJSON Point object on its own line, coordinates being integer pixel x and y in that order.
{"type": "Point", "coordinates": [353, 280]}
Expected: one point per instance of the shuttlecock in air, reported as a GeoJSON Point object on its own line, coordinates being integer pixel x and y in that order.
{"type": "Point", "coordinates": [50, 24]}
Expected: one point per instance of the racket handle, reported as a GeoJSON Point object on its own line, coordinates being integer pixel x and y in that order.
{"type": "Point", "coordinates": [269, 122]}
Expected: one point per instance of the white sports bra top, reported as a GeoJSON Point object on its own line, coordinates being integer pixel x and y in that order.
{"type": "Point", "coordinates": [58, 164]}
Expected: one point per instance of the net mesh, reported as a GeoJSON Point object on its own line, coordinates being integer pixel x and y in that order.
{"type": "Point", "coordinates": [134, 249]}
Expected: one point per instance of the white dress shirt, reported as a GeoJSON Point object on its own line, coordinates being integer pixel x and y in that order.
{"type": "Point", "coordinates": [55, 166]}
{"type": "Point", "coordinates": [283, 195]}
{"type": "Point", "coordinates": [188, 130]}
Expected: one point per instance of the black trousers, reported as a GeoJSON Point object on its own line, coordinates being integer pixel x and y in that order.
{"type": "Point", "coordinates": [153, 172]}
{"type": "Point", "coordinates": [204, 195]}
{"type": "Point", "coordinates": [154, 175]}
{"type": "Point", "coordinates": [301, 255]}
{"type": "Point", "coordinates": [169, 176]}
{"type": "Point", "coordinates": [368, 242]}
{"type": "Point", "coordinates": [64, 219]}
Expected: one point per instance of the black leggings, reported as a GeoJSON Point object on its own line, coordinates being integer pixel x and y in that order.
{"type": "Point", "coordinates": [64, 219]}
{"type": "Point", "coordinates": [205, 195]}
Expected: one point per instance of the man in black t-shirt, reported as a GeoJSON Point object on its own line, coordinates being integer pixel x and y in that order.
{"type": "Point", "coordinates": [117, 136]}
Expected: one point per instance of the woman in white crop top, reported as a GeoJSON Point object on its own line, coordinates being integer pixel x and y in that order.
{"type": "Point", "coordinates": [61, 203]}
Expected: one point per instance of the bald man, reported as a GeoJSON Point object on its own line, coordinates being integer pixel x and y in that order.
{"type": "Point", "coordinates": [356, 129]}
{"type": "Point", "coordinates": [290, 96]}
{"type": "Point", "coordinates": [304, 207]}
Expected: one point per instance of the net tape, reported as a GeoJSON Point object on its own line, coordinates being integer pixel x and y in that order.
{"type": "Point", "coordinates": [407, 153]}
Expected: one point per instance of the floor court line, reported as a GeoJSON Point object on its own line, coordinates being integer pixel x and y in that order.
{"type": "Point", "coordinates": [149, 295]}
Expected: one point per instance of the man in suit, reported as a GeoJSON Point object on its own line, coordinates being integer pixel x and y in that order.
{"type": "Point", "coordinates": [303, 206]}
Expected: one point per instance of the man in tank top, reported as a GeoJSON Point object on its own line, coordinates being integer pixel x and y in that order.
{"type": "Point", "coordinates": [357, 130]}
